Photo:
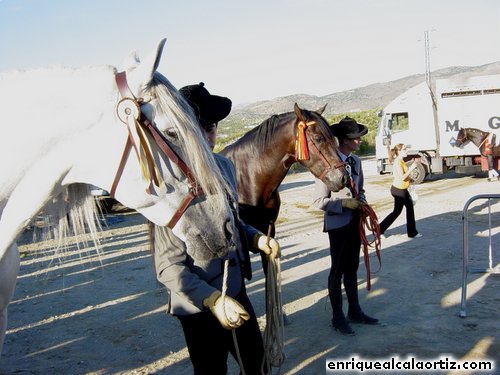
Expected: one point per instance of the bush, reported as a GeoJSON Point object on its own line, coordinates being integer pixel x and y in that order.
{"type": "Point", "coordinates": [370, 119]}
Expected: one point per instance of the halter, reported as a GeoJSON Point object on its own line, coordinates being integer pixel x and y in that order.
{"type": "Point", "coordinates": [129, 112]}
{"type": "Point", "coordinates": [302, 152]}
{"type": "Point", "coordinates": [465, 137]}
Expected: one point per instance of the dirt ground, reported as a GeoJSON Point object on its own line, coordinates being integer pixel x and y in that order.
{"type": "Point", "coordinates": [105, 315]}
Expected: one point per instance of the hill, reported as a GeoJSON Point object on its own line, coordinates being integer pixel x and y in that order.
{"type": "Point", "coordinates": [370, 97]}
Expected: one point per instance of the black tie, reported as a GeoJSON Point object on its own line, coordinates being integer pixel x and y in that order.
{"type": "Point", "coordinates": [350, 160]}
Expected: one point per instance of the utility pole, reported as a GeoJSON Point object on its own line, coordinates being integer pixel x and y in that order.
{"type": "Point", "coordinates": [427, 58]}
{"type": "Point", "coordinates": [428, 80]}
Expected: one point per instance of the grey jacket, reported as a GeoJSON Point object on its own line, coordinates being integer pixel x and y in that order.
{"type": "Point", "coordinates": [337, 216]}
{"type": "Point", "coordinates": [191, 280]}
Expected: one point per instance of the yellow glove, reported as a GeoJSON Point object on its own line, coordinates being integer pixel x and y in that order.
{"type": "Point", "coordinates": [272, 250]}
{"type": "Point", "coordinates": [227, 310]}
{"type": "Point", "coordinates": [351, 203]}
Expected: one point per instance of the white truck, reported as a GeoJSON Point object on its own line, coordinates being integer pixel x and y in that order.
{"type": "Point", "coordinates": [427, 119]}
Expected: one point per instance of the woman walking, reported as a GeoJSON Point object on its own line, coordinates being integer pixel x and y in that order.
{"type": "Point", "coordinates": [399, 190]}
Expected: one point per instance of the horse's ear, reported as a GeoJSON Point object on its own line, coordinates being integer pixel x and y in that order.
{"type": "Point", "coordinates": [155, 57]}
{"type": "Point", "coordinates": [298, 112]}
{"type": "Point", "coordinates": [321, 110]}
{"type": "Point", "coordinates": [144, 70]}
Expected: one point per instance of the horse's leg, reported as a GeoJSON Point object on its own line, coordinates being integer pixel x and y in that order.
{"type": "Point", "coordinates": [492, 173]}
{"type": "Point", "coordinates": [9, 268]}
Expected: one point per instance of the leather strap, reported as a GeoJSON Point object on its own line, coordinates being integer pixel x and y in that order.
{"type": "Point", "coordinates": [194, 191]}
{"type": "Point", "coordinates": [325, 162]}
{"type": "Point", "coordinates": [121, 82]}
{"type": "Point", "coordinates": [121, 166]}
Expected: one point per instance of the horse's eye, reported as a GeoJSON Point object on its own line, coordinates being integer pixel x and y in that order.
{"type": "Point", "coordinates": [171, 133]}
{"type": "Point", "coordinates": [318, 138]}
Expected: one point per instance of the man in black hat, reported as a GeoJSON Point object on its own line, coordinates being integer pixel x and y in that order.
{"type": "Point", "coordinates": [341, 221]}
{"type": "Point", "coordinates": [195, 283]}
{"type": "Point", "coordinates": [208, 109]}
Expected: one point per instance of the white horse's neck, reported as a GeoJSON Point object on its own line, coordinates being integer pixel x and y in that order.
{"type": "Point", "coordinates": [77, 112]}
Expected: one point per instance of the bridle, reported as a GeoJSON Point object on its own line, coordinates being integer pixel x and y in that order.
{"type": "Point", "coordinates": [138, 125]}
{"type": "Point", "coordinates": [302, 142]}
{"type": "Point", "coordinates": [464, 138]}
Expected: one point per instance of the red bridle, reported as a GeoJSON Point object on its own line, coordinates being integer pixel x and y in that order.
{"type": "Point", "coordinates": [129, 105]}
{"type": "Point", "coordinates": [328, 167]}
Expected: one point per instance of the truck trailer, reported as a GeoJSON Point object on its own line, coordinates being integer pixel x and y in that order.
{"type": "Point", "coordinates": [427, 118]}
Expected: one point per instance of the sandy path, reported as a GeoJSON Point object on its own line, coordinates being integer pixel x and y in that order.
{"type": "Point", "coordinates": [106, 316]}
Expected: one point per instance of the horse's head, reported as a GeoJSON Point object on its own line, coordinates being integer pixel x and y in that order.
{"type": "Point", "coordinates": [462, 138]}
{"type": "Point", "coordinates": [316, 148]}
{"type": "Point", "coordinates": [170, 176]}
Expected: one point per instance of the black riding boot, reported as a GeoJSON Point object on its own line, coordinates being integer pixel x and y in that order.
{"type": "Point", "coordinates": [355, 313]}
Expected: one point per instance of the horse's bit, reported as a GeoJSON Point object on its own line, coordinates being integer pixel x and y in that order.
{"type": "Point", "coordinates": [129, 110]}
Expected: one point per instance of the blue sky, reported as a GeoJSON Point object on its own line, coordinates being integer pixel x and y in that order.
{"type": "Point", "coordinates": [255, 50]}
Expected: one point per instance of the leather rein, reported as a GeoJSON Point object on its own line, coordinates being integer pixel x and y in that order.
{"type": "Point", "coordinates": [130, 106]}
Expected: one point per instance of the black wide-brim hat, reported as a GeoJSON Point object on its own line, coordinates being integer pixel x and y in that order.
{"type": "Point", "coordinates": [209, 108]}
{"type": "Point", "coordinates": [348, 128]}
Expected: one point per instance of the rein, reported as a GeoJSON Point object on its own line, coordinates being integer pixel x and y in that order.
{"type": "Point", "coordinates": [138, 125]}
{"type": "Point", "coordinates": [368, 221]}
{"type": "Point", "coordinates": [485, 140]}
{"type": "Point", "coordinates": [302, 151]}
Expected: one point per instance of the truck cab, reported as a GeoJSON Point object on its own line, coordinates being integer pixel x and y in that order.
{"type": "Point", "coordinates": [409, 119]}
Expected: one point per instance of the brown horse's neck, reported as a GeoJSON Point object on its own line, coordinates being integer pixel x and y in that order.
{"type": "Point", "coordinates": [262, 158]}
{"type": "Point", "coordinates": [476, 136]}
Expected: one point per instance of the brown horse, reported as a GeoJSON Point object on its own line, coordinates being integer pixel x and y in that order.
{"type": "Point", "coordinates": [264, 155]}
{"type": "Point", "coordinates": [485, 142]}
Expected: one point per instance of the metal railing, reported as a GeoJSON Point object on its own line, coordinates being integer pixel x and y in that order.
{"type": "Point", "coordinates": [465, 220]}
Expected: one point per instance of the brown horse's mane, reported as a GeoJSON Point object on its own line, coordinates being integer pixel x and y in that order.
{"type": "Point", "coordinates": [263, 134]}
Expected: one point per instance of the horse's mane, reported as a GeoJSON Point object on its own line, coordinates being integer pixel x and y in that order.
{"type": "Point", "coordinates": [73, 218]}
{"type": "Point", "coordinates": [261, 135]}
{"type": "Point", "coordinates": [198, 156]}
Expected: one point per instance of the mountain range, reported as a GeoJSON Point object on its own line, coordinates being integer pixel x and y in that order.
{"type": "Point", "coordinates": [373, 96]}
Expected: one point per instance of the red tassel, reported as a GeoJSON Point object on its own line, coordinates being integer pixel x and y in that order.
{"type": "Point", "coordinates": [301, 149]}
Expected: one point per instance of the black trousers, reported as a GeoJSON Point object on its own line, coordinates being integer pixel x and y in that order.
{"type": "Point", "coordinates": [401, 199]}
{"type": "Point", "coordinates": [345, 248]}
{"type": "Point", "coordinates": [209, 344]}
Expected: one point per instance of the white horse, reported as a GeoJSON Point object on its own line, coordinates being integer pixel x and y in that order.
{"type": "Point", "coordinates": [63, 129]}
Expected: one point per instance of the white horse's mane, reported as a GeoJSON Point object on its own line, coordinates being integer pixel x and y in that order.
{"type": "Point", "coordinates": [199, 157]}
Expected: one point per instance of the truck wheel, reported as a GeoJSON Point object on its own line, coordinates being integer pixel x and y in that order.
{"type": "Point", "coordinates": [418, 174]}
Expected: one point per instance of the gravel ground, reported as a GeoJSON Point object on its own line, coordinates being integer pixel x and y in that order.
{"type": "Point", "coordinates": [89, 314]}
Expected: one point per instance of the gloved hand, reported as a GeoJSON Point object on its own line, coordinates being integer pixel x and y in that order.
{"type": "Point", "coordinates": [227, 310]}
{"type": "Point", "coordinates": [351, 203]}
{"type": "Point", "coordinates": [272, 250]}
